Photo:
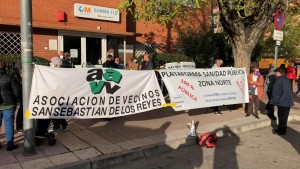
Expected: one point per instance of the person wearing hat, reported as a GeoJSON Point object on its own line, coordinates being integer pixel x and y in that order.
{"type": "Point", "coordinates": [282, 97]}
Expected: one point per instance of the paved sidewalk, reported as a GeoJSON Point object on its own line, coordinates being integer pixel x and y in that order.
{"type": "Point", "coordinates": [92, 140]}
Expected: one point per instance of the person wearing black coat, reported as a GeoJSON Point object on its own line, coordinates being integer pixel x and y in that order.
{"type": "Point", "coordinates": [282, 97]}
{"type": "Point", "coordinates": [109, 63]}
{"type": "Point", "coordinates": [9, 96]}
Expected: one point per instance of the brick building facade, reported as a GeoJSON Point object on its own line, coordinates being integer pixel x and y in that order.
{"type": "Point", "coordinates": [56, 29]}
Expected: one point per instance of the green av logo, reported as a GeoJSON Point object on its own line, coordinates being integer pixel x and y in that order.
{"type": "Point", "coordinates": [97, 83]}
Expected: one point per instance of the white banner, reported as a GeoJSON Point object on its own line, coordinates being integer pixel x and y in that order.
{"type": "Point", "coordinates": [199, 88]}
{"type": "Point", "coordinates": [180, 65]}
{"type": "Point", "coordinates": [92, 93]}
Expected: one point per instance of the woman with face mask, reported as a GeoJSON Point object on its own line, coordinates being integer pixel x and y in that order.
{"type": "Point", "coordinates": [256, 82]}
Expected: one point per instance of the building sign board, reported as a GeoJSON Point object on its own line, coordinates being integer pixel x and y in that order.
{"type": "Point", "coordinates": [96, 12]}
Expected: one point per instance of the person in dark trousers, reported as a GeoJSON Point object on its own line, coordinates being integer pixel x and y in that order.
{"type": "Point", "coordinates": [9, 96]}
{"type": "Point", "coordinates": [218, 64]}
{"type": "Point", "coordinates": [257, 81]}
{"type": "Point", "coordinates": [109, 63]}
{"type": "Point", "coordinates": [18, 77]}
{"type": "Point", "coordinates": [298, 85]}
{"type": "Point", "coordinates": [268, 88]}
{"type": "Point", "coordinates": [282, 97]}
{"type": "Point", "coordinates": [59, 123]}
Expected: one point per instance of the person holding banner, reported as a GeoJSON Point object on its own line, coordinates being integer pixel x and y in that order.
{"type": "Point", "coordinates": [67, 61]}
{"type": "Point", "coordinates": [255, 82]}
{"type": "Point", "coordinates": [147, 63]}
{"type": "Point", "coordinates": [9, 96]}
{"type": "Point", "coordinates": [110, 63]}
{"type": "Point", "coordinates": [218, 64]}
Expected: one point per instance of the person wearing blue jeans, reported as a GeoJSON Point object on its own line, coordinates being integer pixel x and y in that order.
{"type": "Point", "coordinates": [8, 116]}
{"type": "Point", "coordinates": [9, 97]}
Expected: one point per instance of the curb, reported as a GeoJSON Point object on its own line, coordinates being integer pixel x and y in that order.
{"type": "Point", "coordinates": [126, 156]}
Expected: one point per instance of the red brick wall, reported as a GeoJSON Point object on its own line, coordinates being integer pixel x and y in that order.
{"type": "Point", "coordinates": [166, 37]}
{"type": "Point", "coordinates": [41, 40]}
{"type": "Point", "coordinates": [44, 13]}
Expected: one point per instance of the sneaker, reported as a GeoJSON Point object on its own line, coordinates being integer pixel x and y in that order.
{"type": "Point", "coordinates": [56, 128]}
{"type": "Point", "coordinates": [256, 117]}
{"type": "Point", "coordinates": [20, 130]}
{"type": "Point", "coordinates": [65, 128]}
{"type": "Point", "coordinates": [218, 113]}
{"type": "Point", "coordinates": [247, 115]}
{"type": "Point", "coordinates": [50, 129]}
{"type": "Point", "coordinates": [13, 147]}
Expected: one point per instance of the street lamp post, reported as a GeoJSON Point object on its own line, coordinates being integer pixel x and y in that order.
{"type": "Point", "coordinates": [27, 55]}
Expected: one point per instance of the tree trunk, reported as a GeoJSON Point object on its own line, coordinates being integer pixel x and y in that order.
{"type": "Point", "coordinates": [242, 55]}
{"type": "Point", "coordinates": [244, 31]}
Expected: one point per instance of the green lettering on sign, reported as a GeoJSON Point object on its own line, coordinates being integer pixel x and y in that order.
{"type": "Point", "coordinates": [112, 75]}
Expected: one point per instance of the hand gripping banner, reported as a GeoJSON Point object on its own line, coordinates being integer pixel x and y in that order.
{"type": "Point", "coordinates": [92, 93]}
{"type": "Point", "coordinates": [199, 88]}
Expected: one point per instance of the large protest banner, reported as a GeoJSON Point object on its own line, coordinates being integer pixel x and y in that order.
{"type": "Point", "coordinates": [92, 93]}
{"type": "Point", "coordinates": [199, 88]}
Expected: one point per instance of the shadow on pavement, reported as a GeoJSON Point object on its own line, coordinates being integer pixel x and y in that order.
{"type": "Point", "coordinates": [225, 152]}
{"type": "Point", "coordinates": [297, 98]}
{"type": "Point", "coordinates": [292, 136]}
{"type": "Point", "coordinates": [166, 156]}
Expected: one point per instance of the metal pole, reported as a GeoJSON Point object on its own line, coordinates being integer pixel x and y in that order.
{"type": "Point", "coordinates": [125, 59]}
{"type": "Point", "coordinates": [275, 57]}
{"type": "Point", "coordinates": [26, 45]}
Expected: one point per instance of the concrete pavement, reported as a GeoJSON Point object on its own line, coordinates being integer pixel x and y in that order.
{"type": "Point", "coordinates": [98, 143]}
{"type": "Point", "coordinates": [255, 149]}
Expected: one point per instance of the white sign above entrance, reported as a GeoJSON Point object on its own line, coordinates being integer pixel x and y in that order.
{"type": "Point", "coordinates": [96, 12]}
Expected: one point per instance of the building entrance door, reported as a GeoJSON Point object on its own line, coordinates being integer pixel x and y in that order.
{"type": "Point", "coordinates": [93, 50]}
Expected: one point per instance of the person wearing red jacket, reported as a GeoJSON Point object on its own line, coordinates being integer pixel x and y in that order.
{"type": "Point", "coordinates": [255, 80]}
{"type": "Point", "coordinates": [291, 73]}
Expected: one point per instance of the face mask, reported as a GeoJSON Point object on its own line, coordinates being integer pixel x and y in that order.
{"type": "Point", "coordinates": [257, 73]}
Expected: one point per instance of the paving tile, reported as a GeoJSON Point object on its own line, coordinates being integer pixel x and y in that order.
{"type": "Point", "coordinates": [128, 145]}
{"type": "Point", "coordinates": [144, 141]}
{"type": "Point", "coordinates": [37, 164]}
{"type": "Point", "coordinates": [91, 138]}
{"type": "Point", "coordinates": [74, 126]}
{"type": "Point", "coordinates": [109, 149]}
{"type": "Point", "coordinates": [63, 158]}
{"type": "Point", "coordinates": [22, 158]}
{"type": "Point", "coordinates": [87, 153]}
{"type": "Point", "coordinates": [7, 158]}
{"type": "Point", "coordinates": [163, 137]}
{"type": "Point", "coordinates": [12, 166]}
{"type": "Point", "coordinates": [178, 134]}
{"type": "Point", "coordinates": [71, 141]}
{"type": "Point", "coordinates": [58, 148]}
{"type": "Point", "coordinates": [131, 134]}
{"type": "Point", "coordinates": [117, 139]}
